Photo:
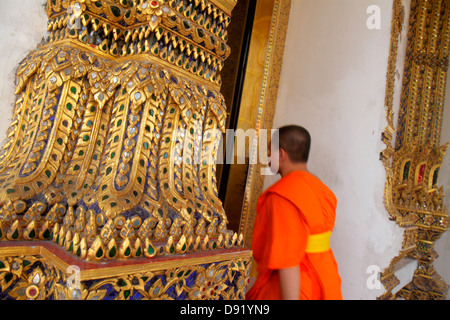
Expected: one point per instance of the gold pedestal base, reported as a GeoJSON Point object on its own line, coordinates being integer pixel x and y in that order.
{"type": "Point", "coordinates": [44, 271]}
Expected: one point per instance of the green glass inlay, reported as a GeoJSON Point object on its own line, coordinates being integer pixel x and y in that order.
{"type": "Point", "coordinates": [8, 277]}
{"type": "Point", "coordinates": [112, 253]}
{"type": "Point", "coordinates": [46, 234]}
{"type": "Point", "coordinates": [99, 253]}
{"type": "Point", "coordinates": [116, 11]}
{"type": "Point", "coordinates": [406, 171]}
{"type": "Point", "coordinates": [435, 176]}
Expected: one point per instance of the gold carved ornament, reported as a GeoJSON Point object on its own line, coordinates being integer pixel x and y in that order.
{"type": "Point", "coordinates": [34, 277]}
{"type": "Point", "coordinates": [413, 164]}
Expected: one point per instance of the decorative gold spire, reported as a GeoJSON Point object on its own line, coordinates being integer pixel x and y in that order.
{"type": "Point", "coordinates": [188, 35]}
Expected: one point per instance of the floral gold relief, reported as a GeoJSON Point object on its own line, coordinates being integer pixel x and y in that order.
{"type": "Point", "coordinates": [42, 276]}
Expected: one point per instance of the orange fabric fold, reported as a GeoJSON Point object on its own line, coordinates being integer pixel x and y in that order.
{"type": "Point", "coordinates": [297, 206]}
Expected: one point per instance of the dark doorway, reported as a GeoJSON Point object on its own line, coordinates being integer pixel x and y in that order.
{"type": "Point", "coordinates": [233, 76]}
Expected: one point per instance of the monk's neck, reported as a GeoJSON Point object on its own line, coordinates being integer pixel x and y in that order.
{"type": "Point", "coordinates": [291, 167]}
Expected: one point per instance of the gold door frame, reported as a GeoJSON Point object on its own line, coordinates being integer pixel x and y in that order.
{"type": "Point", "coordinates": [260, 93]}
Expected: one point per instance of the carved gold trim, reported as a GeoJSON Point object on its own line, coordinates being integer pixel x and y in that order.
{"type": "Point", "coordinates": [41, 273]}
{"type": "Point", "coordinates": [90, 271]}
{"type": "Point", "coordinates": [143, 58]}
{"type": "Point", "coordinates": [226, 6]}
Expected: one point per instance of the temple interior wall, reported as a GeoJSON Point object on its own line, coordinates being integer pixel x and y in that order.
{"type": "Point", "coordinates": [333, 83]}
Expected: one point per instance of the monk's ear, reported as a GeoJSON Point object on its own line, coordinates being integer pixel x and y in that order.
{"type": "Point", "coordinates": [282, 154]}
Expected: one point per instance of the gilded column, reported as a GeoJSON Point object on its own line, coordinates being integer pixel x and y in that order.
{"type": "Point", "coordinates": [111, 152]}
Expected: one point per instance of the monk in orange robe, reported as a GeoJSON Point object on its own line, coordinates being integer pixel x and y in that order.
{"type": "Point", "coordinates": [291, 236]}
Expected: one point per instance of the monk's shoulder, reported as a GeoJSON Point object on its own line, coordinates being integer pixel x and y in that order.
{"type": "Point", "coordinates": [319, 186]}
{"type": "Point", "coordinates": [274, 197]}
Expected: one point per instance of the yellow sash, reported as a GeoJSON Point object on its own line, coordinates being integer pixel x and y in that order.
{"type": "Point", "coordinates": [318, 242]}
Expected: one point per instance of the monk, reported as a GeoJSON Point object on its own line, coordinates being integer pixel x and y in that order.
{"type": "Point", "coordinates": [291, 236]}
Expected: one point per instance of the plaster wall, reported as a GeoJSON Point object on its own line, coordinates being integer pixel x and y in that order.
{"type": "Point", "coordinates": [23, 24]}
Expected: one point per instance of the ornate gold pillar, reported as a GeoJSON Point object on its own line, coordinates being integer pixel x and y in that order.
{"type": "Point", "coordinates": [413, 161]}
{"type": "Point", "coordinates": [109, 164]}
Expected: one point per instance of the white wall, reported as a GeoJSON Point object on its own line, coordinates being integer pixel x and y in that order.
{"type": "Point", "coordinates": [333, 83]}
{"type": "Point", "coordinates": [23, 24]}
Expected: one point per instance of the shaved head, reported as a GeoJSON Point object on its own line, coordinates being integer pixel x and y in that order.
{"type": "Point", "coordinates": [296, 142]}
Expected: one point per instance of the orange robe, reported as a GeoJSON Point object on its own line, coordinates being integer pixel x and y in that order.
{"type": "Point", "coordinates": [297, 206]}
